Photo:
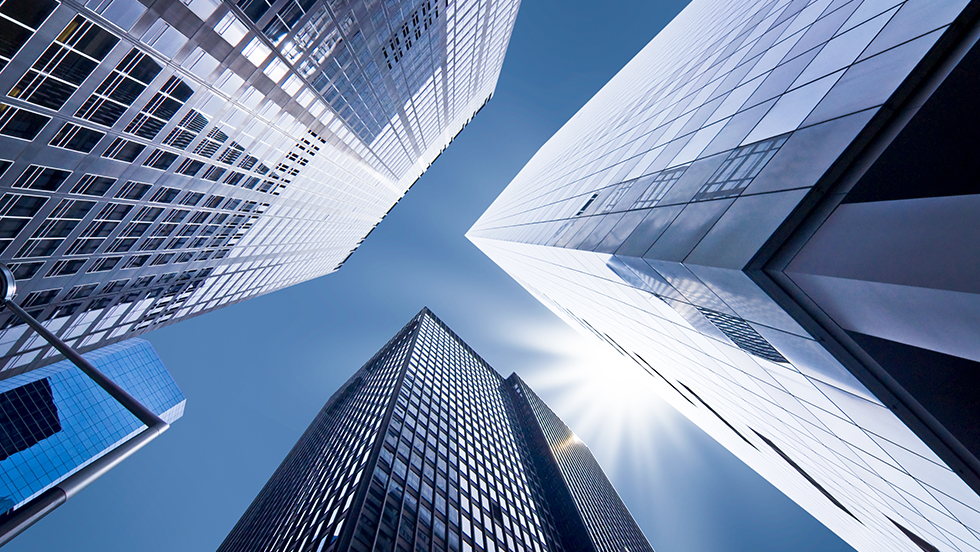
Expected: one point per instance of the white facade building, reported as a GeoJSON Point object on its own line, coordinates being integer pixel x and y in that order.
{"type": "Point", "coordinates": [160, 159]}
{"type": "Point", "coordinates": [771, 210]}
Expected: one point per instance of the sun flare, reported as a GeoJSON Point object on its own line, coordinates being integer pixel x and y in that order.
{"type": "Point", "coordinates": [608, 401]}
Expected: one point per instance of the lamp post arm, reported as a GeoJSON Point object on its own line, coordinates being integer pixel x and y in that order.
{"type": "Point", "coordinates": [48, 501]}
{"type": "Point", "coordinates": [141, 412]}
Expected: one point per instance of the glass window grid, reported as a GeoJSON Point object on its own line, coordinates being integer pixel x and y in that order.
{"type": "Point", "coordinates": [73, 56]}
{"type": "Point", "coordinates": [91, 422]}
{"type": "Point", "coordinates": [120, 89]}
{"type": "Point", "coordinates": [341, 173]}
{"type": "Point", "coordinates": [422, 464]}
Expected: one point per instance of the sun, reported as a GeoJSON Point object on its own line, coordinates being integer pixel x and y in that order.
{"type": "Point", "coordinates": [608, 401]}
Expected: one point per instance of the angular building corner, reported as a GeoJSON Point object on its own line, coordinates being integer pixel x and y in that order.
{"type": "Point", "coordinates": [771, 210]}
{"type": "Point", "coordinates": [427, 447]}
{"type": "Point", "coordinates": [163, 159]}
{"type": "Point", "coordinates": [55, 421]}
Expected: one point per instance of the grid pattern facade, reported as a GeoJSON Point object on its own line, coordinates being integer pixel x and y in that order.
{"type": "Point", "coordinates": [639, 220]}
{"type": "Point", "coordinates": [66, 421]}
{"type": "Point", "coordinates": [447, 465]}
{"type": "Point", "coordinates": [451, 475]}
{"type": "Point", "coordinates": [610, 525]}
{"type": "Point", "coordinates": [181, 156]}
{"type": "Point", "coordinates": [307, 502]}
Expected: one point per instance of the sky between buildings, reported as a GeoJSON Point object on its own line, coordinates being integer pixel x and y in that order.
{"type": "Point", "coordinates": [255, 374]}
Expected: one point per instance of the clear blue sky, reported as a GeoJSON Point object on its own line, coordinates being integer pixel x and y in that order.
{"type": "Point", "coordinates": [256, 373]}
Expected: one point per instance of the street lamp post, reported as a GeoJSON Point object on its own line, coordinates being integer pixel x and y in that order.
{"type": "Point", "coordinates": [43, 504]}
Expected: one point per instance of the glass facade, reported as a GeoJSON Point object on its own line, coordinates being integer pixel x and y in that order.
{"type": "Point", "coordinates": [752, 214]}
{"type": "Point", "coordinates": [557, 451]}
{"type": "Point", "coordinates": [160, 163]}
{"type": "Point", "coordinates": [55, 420]}
{"type": "Point", "coordinates": [423, 449]}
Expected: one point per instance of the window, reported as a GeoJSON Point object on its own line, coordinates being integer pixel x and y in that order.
{"type": "Point", "coordinates": [210, 145]}
{"type": "Point", "coordinates": [40, 298]}
{"type": "Point", "coordinates": [231, 29]}
{"type": "Point", "coordinates": [162, 259]}
{"type": "Point", "coordinates": [134, 230]}
{"type": "Point", "coordinates": [214, 173]}
{"type": "Point", "coordinates": [741, 167]}
{"type": "Point", "coordinates": [137, 261]}
{"type": "Point", "coordinates": [165, 195]}
{"type": "Point", "coordinates": [132, 190]}
{"type": "Point", "coordinates": [66, 310]}
{"type": "Point", "coordinates": [124, 150]}
{"type": "Point", "coordinates": [234, 178]}
{"type": "Point", "coordinates": [610, 203]}
{"type": "Point", "coordinates": [99, 303]}
{"type": "Point", "coordinates": [402, 40]}
{"type": "Point", "coordinates": [53, 231]}
{"type": "Point", "coordinates": [29, 416]}
{"type": "Point", "coordinates": [15, 212]}
{"type": "Point", "coordinates": [587, 204]}
{"type": "Point", "coordinates": [20, 123]}
{"type": "Point", "coordinates": [231, 153]}
{"type": "Point", "coordinates": [65, 268]}
{"type": "Point", "coordinates": [160, 159]}
{"type": "Point", "coordinates": [93, 185]}
{"type": "Point", "coordinates": [18, 21]}
{"type": "Point", "coordinates": [248, 162]}
{"type": "Point", "coordinates": [59, 71]}
{"type": "Point", "coordinates": [115, 286]}
{"type": "Point", "coordinates": [283, 21]}
{"type": "Point", "coordinates": [105, 264]}
{"type": "Point", "coordinates": [99, 229]}
{"type": "Point", "coordinates": [254, 9]}
{"type": "Point", "coordinates": [80, 292]}
{"type": "Point", "coordinates": [152, 244]}
{"type": "Point", "coordinates": [190, 167]}
{"type": "Point", "coordinates": [177, 215]}
{"type": "Point", "coordinates": [160, 109]}
{"type": "Point", "coordinates": [657, 185]}
{"type": "Point", "coordinates": [120, 89]}
{"type": "Point", "coordinates": [187, 129]}
{"type": "Point", "coordinates": [742, 334]}
{"type": "Point", "coordinates": [37, 177]}
{"type": "Point", "coordinates": [25, 271]}
{"type": "Point", "coordinates": [78, 138]}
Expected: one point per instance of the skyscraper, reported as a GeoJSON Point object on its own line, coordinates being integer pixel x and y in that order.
{"type": "Point", "coordinates": [427, 447]}
{"type": "Point", "coordinates": [55, 420]}
{"type": "Point", "coordinates": [769, 209]}
{"type": "Point", "coordinates": [160, 160]}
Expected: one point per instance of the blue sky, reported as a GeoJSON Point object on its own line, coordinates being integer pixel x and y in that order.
{"type": "Point", "coordinates": [256, 373]}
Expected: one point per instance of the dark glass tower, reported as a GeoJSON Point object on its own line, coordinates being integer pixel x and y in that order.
{"type": "Point", "coordinates": [427, 447]}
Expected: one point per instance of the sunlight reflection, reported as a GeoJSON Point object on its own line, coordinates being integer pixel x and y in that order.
{"type": "Point", "coordinates": [604, 398]}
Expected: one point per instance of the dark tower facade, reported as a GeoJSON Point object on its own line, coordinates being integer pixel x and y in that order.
{"type": "Point", "coordinates": [427, 447]}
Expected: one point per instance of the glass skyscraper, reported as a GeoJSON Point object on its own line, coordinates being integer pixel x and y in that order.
{"type": "Point", "coordinates": [160, 161]}
{"type": "Point", "coordinates": [54, 420]}
{"type": "Point", "coordinates": [426, 448]}
{"type": "Point", "coordinates": [771, 210]}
